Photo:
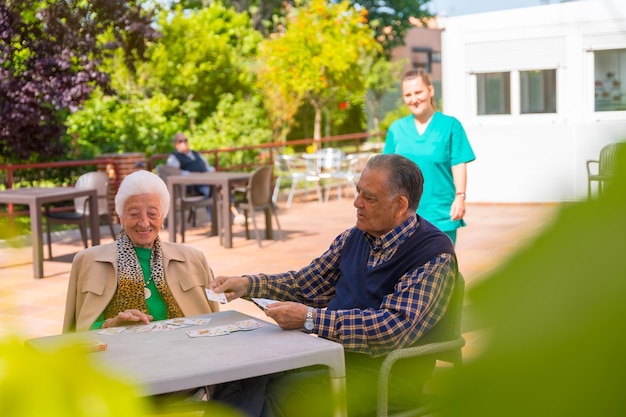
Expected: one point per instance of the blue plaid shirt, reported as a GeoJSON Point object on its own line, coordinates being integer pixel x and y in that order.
{"type": "Point", "coordinates": [419, 299]}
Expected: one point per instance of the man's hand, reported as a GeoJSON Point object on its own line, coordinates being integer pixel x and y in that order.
{"type": "Point", "coordinates": [233, 287]}
{"type": "Point", "coordinates": [288, 315]}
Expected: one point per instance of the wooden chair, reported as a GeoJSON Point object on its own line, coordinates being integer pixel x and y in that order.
{"type": "Point", "coordinates": [80, 214]}
{"type": "Point", "coordinates": [601, 170]}
{"type": "Point", "coordinates": [443, 342]}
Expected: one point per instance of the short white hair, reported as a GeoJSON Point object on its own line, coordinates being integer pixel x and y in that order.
{"type": "Point", "coordinates": [142, 182]}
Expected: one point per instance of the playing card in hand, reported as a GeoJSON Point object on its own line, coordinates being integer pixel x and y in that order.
{"type": "Point", "coordinates": [220, 297]}
{"type": "Point", "coordinates": [263, 302]}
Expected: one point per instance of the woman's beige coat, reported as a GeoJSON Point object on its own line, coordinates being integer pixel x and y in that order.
{"type": "Point", "coordinates": [93, 282]}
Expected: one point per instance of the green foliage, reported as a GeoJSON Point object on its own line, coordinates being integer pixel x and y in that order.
{"type": "Point", "coordinates": [236, 123]}
{"type": "Point", "coordinates": [154, 84]}
{"type": "Point", "coordinates": [109, 124]}
{"type": "Point", "coordinates": [203, 55]}
{"type": "Point", "coordinates": [341, 116]}
{"type": "Point", "coordinates": [13, 227]}
{"type": "Point", "coordinates": [304, 63]}
{"type": "Point", "coordinates": [71, 382]}
{"type": "Point", "coordinates": [201, 60]}
{"type": "Point", "coordinates": [391, 19]}
{"type": "Point", "coordinates": [67, 382]}
{"type": "Point", "coordinates": [381, 77]}
{"type": "Point", "coordinates": [49, 55]}
{"type": "Point", "coordinates": [393, 115]}
{"type": "Point", "coordinates": [554, 315]}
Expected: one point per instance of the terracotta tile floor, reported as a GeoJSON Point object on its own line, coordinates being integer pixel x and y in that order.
{"type": "Point", "coordinates": [34, 307]}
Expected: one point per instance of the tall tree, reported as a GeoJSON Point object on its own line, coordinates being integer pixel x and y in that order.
{"type": "Point", "coordinates": [202, 55]}
{"type": "Point", "coordinates": [199, 66]}
{"type": "Point", "coordinates": [319, 56]}
{"type": "Point", "coordinates": [381, 77]}
{"type": "Point", "coordinates": [391, 19]}
{"type": "Point", "coordinates": [265, 14]}
{"type": "Point", "coordinates": [49, 56]}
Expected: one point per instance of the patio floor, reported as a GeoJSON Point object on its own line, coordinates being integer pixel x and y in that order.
{"type": "Point", "coordinates": [34, 307]}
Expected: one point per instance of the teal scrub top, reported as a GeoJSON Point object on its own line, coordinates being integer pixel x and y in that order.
{"type": "Point", "coordinates": [442, 145]}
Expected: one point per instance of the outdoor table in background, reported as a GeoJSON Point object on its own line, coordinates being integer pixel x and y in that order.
{"type": "Point", "coordinates": [221, 184]}
{"type": "Point", "coordinates": [169, 361]}
{"type": "Point", "coordinates": [36, 198]}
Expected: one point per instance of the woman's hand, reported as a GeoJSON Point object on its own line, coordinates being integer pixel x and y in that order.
{"type": "Point", "coordinates": [457, 210]}
{"type": "Point", "coordinates": [127, 317]}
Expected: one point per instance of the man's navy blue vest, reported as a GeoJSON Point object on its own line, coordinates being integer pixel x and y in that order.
{"type": "Point", "coordinates": [361, 288]}
{"type": "Point", "coordinates": [188, 164]}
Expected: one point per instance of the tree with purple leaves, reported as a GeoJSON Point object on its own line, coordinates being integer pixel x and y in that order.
{"type": "Point", "coordinates": [50, 51]}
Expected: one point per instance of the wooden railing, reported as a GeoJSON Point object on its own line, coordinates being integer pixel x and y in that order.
{"type": "Point", "coordinates": [268, 150]}
{"type": "Point", "coordinates": [11, 168]}
{"type": "Point", "coordinates": [266, 154]}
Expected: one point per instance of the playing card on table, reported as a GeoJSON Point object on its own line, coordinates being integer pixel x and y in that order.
{"type": "Point", "coordinates": [249, 324]}
{"type": "Point", "coordinates": [112, 330]}
{"type": "Point", "coordinates": [139, 329]}
{"type": "Point", "coordinates": [184, 322]}
{"type": "Point", "coordinates": [209, 331]}
{"type": "Point", "coordinates": [163, 327]}
{"type": "Point", "coordinates": [216, 296]}
{"type": "Point", "coordinates": [231, 327]}
{"type": "Point", "coordinates": [180, 322]}
{"type": "Point", "coordinates": [198, 322]}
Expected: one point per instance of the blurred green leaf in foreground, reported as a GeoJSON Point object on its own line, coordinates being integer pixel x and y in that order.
{"type": "Point", "coordinates": [555, 314]}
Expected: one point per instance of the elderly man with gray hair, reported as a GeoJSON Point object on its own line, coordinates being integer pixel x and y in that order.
{"type": "Point", "coordinates": [381, 285]}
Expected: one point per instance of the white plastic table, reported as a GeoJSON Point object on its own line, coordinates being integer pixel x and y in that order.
{"type": "Point", "coordinates": [170, 361]}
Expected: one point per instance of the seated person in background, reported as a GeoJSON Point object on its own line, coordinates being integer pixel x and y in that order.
{"type": "Point", "coordinates": [138, 278]}
{"type": "Point", "coordinates": [189, 161]}
{"type": "Point", "coordinates": [381, 285]}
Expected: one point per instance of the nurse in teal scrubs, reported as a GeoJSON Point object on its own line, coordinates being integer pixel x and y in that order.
{"type": "Point", "coordinates": [438, 145]}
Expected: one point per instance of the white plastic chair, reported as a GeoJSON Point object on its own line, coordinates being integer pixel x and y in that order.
{"type": "Point", "coordinates": [296, 170]}
{"type": "Point", "coordinates": [349, 172]}
{"type": "Point", "coordinates": [80, 214]}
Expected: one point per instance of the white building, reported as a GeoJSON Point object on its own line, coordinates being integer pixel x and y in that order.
{"type": "Point", "coordinates": [539, 90]}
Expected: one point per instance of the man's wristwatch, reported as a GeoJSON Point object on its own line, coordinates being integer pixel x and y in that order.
{"type": "Point", "coordinates": [308, 323]}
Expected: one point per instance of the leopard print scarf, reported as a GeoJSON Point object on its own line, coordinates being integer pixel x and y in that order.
{"type": "Point", "coordinates": [130, 280]}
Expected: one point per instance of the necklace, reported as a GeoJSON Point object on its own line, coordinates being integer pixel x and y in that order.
{"type": "Point", "coordinates": [146, 291]}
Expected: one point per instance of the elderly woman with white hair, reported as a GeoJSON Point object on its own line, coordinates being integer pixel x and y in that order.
{"type": "Point", "coordinates": [138, 278]}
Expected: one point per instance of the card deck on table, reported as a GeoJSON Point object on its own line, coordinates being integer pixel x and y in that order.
{"type": "Point", "coordinates": [92, 345]}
